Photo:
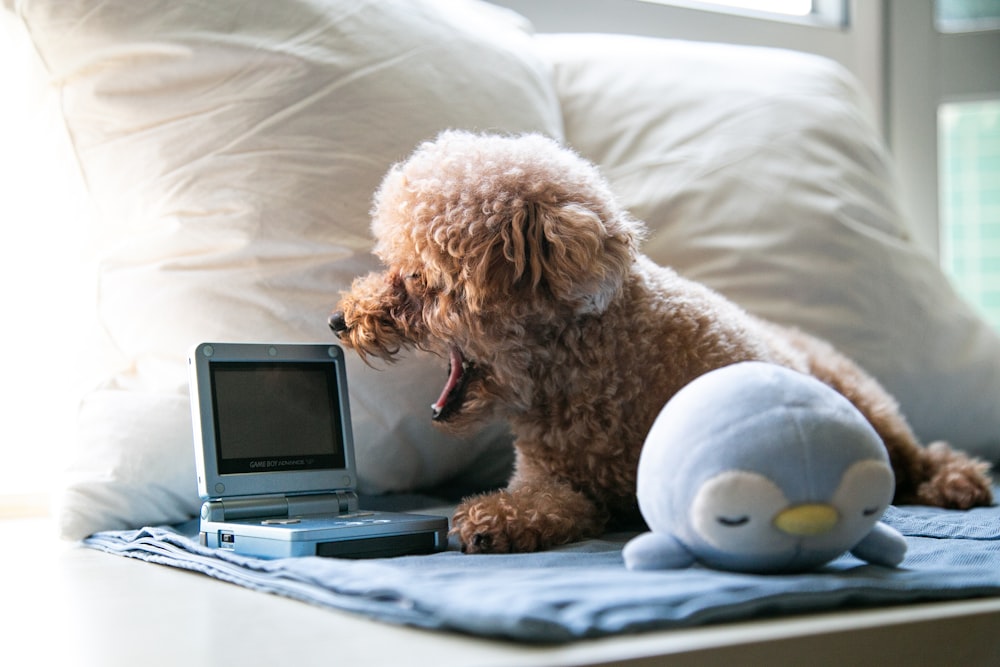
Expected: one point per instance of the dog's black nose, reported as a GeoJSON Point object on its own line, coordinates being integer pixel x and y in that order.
{"type": "Point", "coordinates": [337, 322]}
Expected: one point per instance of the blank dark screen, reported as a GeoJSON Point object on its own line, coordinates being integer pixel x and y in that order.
{"type": "Point", "coordinates": [275, 416]}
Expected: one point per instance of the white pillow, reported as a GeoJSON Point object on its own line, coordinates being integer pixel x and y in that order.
{"type": "Point", "coordinates": [232, 149]}
{"type": "Point", "coordinates": [761, 174]}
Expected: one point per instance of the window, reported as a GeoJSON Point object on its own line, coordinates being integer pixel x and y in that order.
{"type": "Point", "coordinates": [821, 12]}
{"type": "Point", "coordinates": [966, 15]}
{"type": "Point", "coordinates": [936, 77]}
{"type": "Point", "coordinates": [787, 7]}
{"type": "Point", "coordinates": [969, 163]}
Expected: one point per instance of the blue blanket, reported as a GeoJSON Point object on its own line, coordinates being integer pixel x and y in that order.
{"type": "Point", "coordinates": [583, 590]}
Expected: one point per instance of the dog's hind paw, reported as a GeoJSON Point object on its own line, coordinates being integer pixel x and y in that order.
{"type": "Point", "coordinates": [955, 480]}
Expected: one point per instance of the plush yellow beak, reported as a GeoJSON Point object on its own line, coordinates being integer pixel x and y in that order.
{"type": "Point", "coordinates": [806, 520]}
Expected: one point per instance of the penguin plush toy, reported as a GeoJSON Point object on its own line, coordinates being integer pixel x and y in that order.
{"type": "Point", "coordinates": [757, 468]}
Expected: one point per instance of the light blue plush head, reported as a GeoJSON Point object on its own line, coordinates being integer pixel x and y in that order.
{"type": "Point", "coordinates": [757, 468]}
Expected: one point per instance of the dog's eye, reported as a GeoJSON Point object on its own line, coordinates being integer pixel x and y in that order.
{"type": "Point", "coordinates": [414, 285]}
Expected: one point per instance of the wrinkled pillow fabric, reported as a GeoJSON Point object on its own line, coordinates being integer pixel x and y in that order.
{"type": "Point", "coordinates": [232, 149]}
{"type": "Point", "coordinates": [761, 174]}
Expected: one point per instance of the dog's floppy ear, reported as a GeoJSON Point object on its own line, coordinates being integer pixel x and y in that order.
{"type": "Point", "coordinates": [564, 249]}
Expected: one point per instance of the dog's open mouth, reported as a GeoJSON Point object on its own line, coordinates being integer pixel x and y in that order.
{"type": "Point", "coordinates": [453, 394]}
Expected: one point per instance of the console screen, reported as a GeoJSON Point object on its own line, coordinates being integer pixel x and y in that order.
{"type": "Point", "coordinates": [276, 416]}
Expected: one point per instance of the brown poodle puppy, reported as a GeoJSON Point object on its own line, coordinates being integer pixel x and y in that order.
{"type": "Point", "coordinates": [510, 257]}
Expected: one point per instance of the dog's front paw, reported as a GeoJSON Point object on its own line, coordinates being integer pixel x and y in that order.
{"type": "Point", "coordinates": [490, 524]}
{"type": "Point", "coordinates": [525, 519]}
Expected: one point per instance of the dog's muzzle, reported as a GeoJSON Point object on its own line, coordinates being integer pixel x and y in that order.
{"type": "Point", "coordinates": [337, 322]}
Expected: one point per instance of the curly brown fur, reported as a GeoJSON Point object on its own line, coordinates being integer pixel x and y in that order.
{"type": "Point", "coordinates": [509, 257]}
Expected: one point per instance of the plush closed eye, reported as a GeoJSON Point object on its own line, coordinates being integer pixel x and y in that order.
{"type": "Point", "coordinates": [865, 490]}
{"type": "Point", "coordinates": [733, 521]}
{"type": "Point", "coordinates": [732, 511]}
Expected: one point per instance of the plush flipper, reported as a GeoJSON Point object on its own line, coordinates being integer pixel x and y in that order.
{"type": "Point", "coordinates": [656, 551]}
{"type": "Point", "coordinates": [884, 545]}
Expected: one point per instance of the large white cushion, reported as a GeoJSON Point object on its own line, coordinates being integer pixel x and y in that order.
{"type": "Point", "coordinates": [761, 174]}
{"type": "Point", "coordinates": [232, 148]}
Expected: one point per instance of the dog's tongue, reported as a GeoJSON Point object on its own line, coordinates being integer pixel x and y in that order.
{"type": "Point", "coordinates": [454, 377]}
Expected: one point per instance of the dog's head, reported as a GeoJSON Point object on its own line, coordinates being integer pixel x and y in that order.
{"type": "Point", "coordinates": [491, 243]}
